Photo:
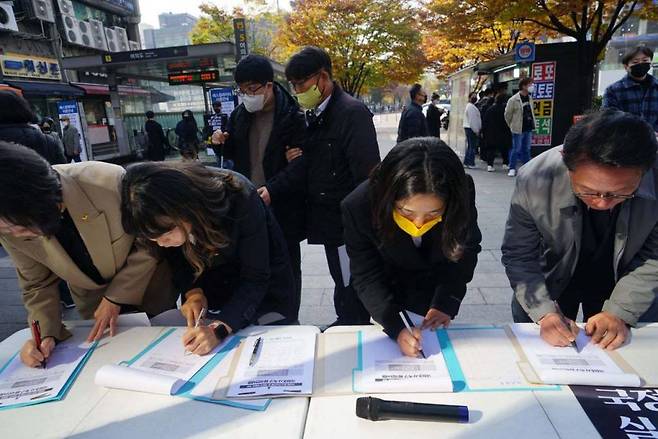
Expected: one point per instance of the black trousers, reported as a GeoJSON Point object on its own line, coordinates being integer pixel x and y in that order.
{"type": "Point", "coordinates": [296, 264]}
{"type": "Point", "coordinates": [349, 309]}
{"type": "Point", "coordinates": [76, 158]}
{"type": "Point", "coordinates": [491, 153]}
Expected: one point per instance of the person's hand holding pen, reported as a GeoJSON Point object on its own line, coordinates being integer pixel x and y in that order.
{"type": "Point", "coordinates": [195, 302]}
{"type": "Point", "coordinates": [558, 330]}
{"type": "Point", "coordinates": [202, 339]}
{"type": "Point", "coordinates": [410, 340]}
{"type": "Point", "coordinates": [35, 351]}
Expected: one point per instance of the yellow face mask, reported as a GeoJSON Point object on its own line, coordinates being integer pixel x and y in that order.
{"type": "Point", "coordinates": [410, 228]}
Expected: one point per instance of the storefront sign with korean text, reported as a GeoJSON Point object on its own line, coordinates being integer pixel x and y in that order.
{"type": "Point", "coordinates": [543, 77]}
{"type": "Point", "coordinates": [28, 66]}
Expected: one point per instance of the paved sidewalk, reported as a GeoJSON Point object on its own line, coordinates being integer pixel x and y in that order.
{"type": "Point", "coordinates": [487, 299]}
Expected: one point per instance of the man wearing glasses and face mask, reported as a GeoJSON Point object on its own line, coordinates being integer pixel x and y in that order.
{"type": "Point", "coordinates": [583, 230]}
{"type": "Point", "coordinates": [637, 92]}
{"type": "Point", "coordinates": [259, 132]}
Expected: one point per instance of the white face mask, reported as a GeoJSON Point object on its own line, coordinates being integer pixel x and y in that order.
{"type": "Point", "coordinates": [253, 103]}
{"type": "Point", "coordinates": [531, 89]}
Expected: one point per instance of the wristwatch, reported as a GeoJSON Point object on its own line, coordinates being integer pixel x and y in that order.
{"type": "Point", "coordinates": [220, 330]}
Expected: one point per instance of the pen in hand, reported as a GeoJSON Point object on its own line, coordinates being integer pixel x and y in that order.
{"type": "Point", "coordinates": [407, 322]}
{"type": "Point", "coordinates": [571, 325]}
{"type": "Point", "coordinates": [196, 324]}
{"type": "Point", "coordinates": [36, 335]}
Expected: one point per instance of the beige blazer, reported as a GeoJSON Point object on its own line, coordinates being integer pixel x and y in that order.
{"type": "Point", "coordinates": [91, 193]}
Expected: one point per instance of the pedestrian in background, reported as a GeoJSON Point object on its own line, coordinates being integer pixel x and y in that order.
{"type": "Point", "coordinates": [156, 138]}
{"type": "Point", "coordinates": [188, 139]}
{"type": "Point", "coordinates": [637, 92]}
{"type": "Point", "coordinates": [16, 118]}
{"type": "Point", "coordinates": [433, 117]}
{"type": "Point", "coordinates": [497, 135]}
{"type": "Point", "coordinates": [520, 118]}
{"type": "Point", "coordinates": [472, 125]}
{"type": "Point", "coordinates": [412, 120]}
{"type": "Point", "coordinates": [71, 141]}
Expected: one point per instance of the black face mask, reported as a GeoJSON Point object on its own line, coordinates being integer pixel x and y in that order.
{"type": "Point", "coordinates": [639, 70]}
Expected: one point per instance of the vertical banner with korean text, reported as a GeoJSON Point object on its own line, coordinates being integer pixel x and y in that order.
{"type": "Point", "coordinates": [623, 413]}
{"type": "Point", "coordinates": [543, 77]}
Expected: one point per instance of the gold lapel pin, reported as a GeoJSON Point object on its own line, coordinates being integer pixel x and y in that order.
{"type": "Point", "coordinates": [85, 217]}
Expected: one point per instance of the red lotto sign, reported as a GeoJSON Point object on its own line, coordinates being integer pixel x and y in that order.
{"type": "Point", "coordinates": [543, 71]}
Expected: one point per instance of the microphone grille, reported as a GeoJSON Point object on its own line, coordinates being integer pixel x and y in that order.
{"type": "Point", "coordinates": [363, 407]}
{"type": "Point", "coordinates": [367, 408]}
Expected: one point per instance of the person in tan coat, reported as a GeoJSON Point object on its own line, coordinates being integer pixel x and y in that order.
{"type": "Point", "coordinates": [64, 222]}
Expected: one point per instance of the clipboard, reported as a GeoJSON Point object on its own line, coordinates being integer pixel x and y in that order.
{"type": "Point", "coordinates": [63, 391]}
{"type": "Point", "coordinates": [229, 352]}
{"type": "Point", "coordinates": [533, 377]}
{"type": "Point", "coordinates": [339, 355]}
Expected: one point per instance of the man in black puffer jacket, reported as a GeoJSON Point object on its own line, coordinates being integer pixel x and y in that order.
{"type": "Point", "coordinates": [340, 151]}
{"type": "Point", "coordinates": [15, 119]}
{"type": "Point", "coordinates": [260, 130]}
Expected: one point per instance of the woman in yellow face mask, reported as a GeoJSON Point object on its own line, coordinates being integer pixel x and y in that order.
{"type": "Point", "coordinates": [412, 237]}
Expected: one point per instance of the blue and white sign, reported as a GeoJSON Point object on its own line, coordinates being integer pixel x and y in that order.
{"type": "Point", "coordinates": [226, 96]}
{"type": "Point", "coordinates": [544, 90]}
{"type": "Point", "coordinates": [70, 109]}
{"type": "Point", "coordinates": [524, 52]}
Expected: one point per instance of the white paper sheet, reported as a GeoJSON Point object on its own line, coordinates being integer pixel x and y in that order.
{"type": "Point", "coordinates": [169, 358]}
{"type": "Point", "coordinates": [283, 367]}
{"type": "Point", "coordinates": [493, 346]}
{"type": "Point", "coordinates": [344, 260]}
{"type": "Point", "coordinates": [124, 320]}
{"type": "Point", "coordinates": [215, 385]}
{"type": "Point", "coordinates": [20, 384]}
{"type": "Point", "coordinates": [564, 365]}
{"type": "Point", "coordinates": [163, 369]}
{"type": "Point", "coordinates": [387, 370]}
{"type": "Point", "coordinates": [127, 378]}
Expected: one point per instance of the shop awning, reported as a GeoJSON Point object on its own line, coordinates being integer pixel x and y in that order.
{"type": "Point", "coordinates": [44, 88]}
{"type": "Point", "coordinates": [15, 90]}
{"type": "Point", "coordinates": [101, 89]}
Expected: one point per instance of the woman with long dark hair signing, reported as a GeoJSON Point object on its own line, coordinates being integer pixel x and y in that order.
{"type": "Point", "coordinates": [226, 250]}
{"type": "Point", "coordinates": [412, 237]}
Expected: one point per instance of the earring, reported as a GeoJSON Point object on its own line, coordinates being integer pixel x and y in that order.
{"type": "Point", "coordinates": [191, 238]}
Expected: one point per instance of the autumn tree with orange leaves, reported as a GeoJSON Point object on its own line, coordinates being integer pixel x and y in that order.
{"type": "Point", "coordinates": [371, 42]}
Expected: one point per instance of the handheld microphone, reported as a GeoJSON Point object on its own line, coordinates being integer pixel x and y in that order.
{"type": "Point", "coordinates": [376, 409]}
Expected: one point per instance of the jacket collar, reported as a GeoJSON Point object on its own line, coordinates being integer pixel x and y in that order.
{"type": "Point", "coordinates": [335, 95]}
{"type": "Point", "coordinates": [630, 83]}
{"type": "Point", "coordinates": [90, 222]}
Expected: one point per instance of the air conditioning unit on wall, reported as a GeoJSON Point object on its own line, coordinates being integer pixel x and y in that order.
{"type": "Point", "coordinates": [7, 17]}
{"type": "Point", "coordinates": [66, 7]}
{"type": "Point", "coordinates": [71, 28]}
{"type": "Point", "coordinates": [39, 10]}
{"type": "Point", "coordinates": [85, 33]}
{"type": "Point", "coordinates": [122, 39]}
{"type": "Point", "coordinates": [111, 39]}
{"type": "Point", "coordinates": [99, 40]}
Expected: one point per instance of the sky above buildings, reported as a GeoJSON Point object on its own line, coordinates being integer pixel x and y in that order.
{"type": "Point", "coordinates": [152, 8]}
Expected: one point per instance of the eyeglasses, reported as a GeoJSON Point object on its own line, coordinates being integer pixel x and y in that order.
{"type": "Point", "coordinates": [296, 84]}
{"type": "Point", "coordinates": [592, 196]}
{"type": "Point", "coordinates": [250, 91]}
